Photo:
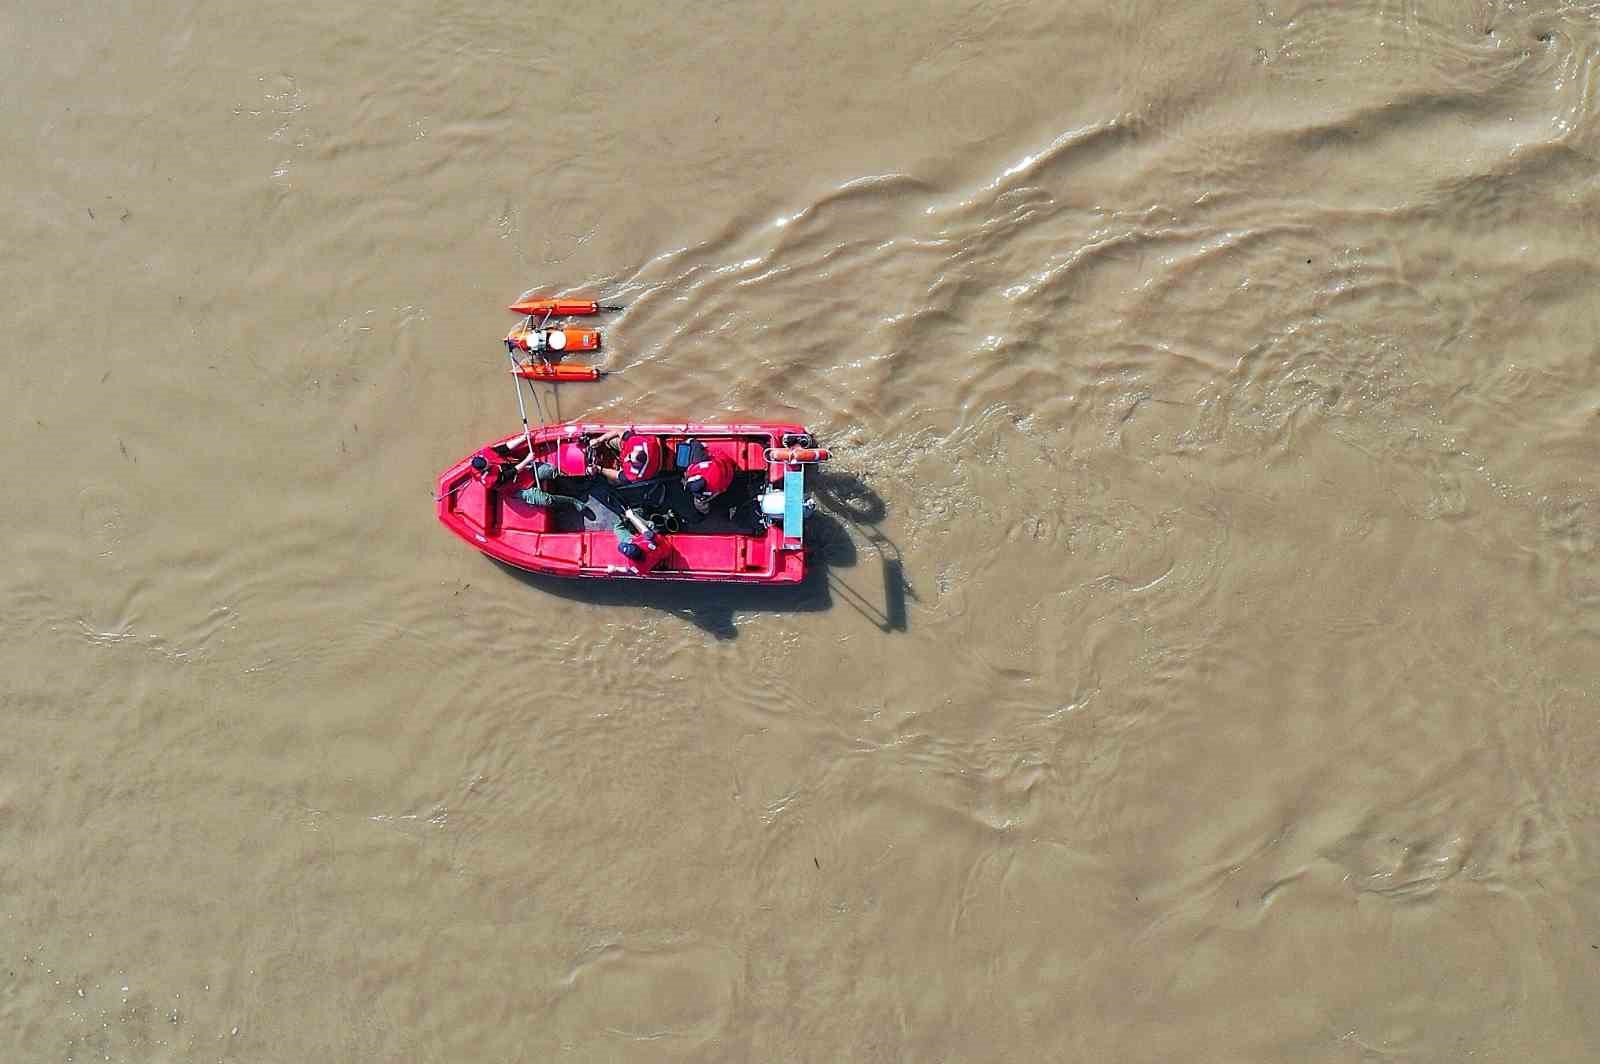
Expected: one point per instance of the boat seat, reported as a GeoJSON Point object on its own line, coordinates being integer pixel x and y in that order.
{"type": "Point", "coordinates": [518, 515]}
{"type": "Point", "coordinates": [744, 454]}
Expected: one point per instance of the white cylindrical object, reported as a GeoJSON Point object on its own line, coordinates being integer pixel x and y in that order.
{"type": "Point", "coordinates": [772, 503]}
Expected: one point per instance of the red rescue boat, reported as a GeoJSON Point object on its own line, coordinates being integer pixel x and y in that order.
{"type": "Point", "coordinates": [751, 532]}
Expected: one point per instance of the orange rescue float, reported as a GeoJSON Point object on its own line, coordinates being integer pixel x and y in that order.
{"type": "Point", "coordinates": [558, 308]}
{"type": "Point", "coordinates": [557, 371]}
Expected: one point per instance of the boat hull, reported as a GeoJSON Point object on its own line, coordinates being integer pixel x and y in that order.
{"type": "Point", "coordinates": [555, 542]}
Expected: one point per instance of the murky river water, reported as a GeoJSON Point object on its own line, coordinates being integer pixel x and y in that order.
{"type": "Point", "coordinates": [1203, 663]}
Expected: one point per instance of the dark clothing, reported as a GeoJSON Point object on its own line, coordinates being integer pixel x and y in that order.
{"type": "Point", "coordinates": [549, 500]}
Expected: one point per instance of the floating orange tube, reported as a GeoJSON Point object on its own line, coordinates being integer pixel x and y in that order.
{"type": "Point", "coordinates": [558, 308]}
{"type": "Point", "coordinates": [798, 454]}
{"type": "Point", "coordinates": [537, 340]}
{"type": "Point", "coordinates": [557, 371]}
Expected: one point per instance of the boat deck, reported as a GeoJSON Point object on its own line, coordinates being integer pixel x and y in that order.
{"type": "Point", "coordinates": [658, 498]}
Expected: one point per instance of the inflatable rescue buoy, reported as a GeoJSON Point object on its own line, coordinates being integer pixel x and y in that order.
{"type": "Point", "coordinates": [558, 308]}
{"type": "Point", "coordinates": [557, 371]}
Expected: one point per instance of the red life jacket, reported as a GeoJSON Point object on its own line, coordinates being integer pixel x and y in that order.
{"type": "Point", "coordinates": [655, 552]}
{"type": "Point", "coordinates": [497, 472]}
{"type": "Point", "coordinates": [641, 457]}
{"type": "Point", "coordinates": [710, 477]}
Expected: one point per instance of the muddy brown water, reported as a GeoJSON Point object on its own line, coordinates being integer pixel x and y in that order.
{"type": "Point", "coordinates": [1203, 660]}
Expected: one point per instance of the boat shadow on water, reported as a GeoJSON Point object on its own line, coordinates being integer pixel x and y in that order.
{"type": "Point", "coordinates": [847, 510]}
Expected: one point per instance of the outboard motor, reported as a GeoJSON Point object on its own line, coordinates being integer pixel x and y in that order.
{"type": "Point", "coordinates": [772, 504]}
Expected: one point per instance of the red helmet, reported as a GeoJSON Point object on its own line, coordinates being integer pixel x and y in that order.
{"type": "Point", "coordinates": [710, 477]}
{"type": "Point", "coordinates": [641, 457]}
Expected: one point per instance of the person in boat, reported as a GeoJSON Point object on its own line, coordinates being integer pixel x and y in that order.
{"type": "Point", "coordinates": [639, 456]}
{"type": "Point", "coordinates": [643, 547]}
{"type": "Point", "coordinates": [496, 470]}
{"type": "Point", "coordinates": [707, 479]}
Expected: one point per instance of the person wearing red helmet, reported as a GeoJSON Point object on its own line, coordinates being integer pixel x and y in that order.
{"type": "Point", "coordinates": [706, 479]}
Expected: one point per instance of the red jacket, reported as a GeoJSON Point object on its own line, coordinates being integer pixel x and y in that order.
{"type": "Point", "coordinates": [716, 472]}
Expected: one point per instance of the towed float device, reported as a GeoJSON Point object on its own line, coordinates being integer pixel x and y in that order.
{"type": "Point", "coordinates": [545, 344]}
